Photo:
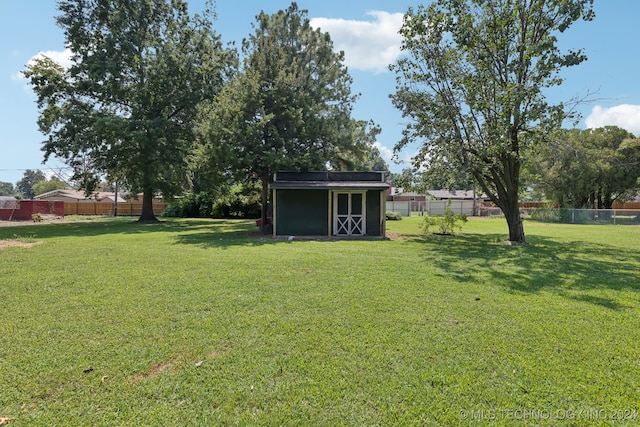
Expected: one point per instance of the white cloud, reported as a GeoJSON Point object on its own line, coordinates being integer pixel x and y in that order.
{"type": "Point", "coordinates": [367, 45]}
{"type": "Point", "coordinates": [61, 57]}
{"type": "Point", "coordinates": [625, 116]}
{"type": "Point", "coordinates": [385, 152]}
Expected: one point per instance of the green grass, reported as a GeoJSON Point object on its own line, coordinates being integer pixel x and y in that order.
{"type": "Point", "coordinates": [202, 322]}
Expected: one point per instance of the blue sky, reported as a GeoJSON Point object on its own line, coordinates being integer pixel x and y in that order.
{"type": "Point", "coordinates": [365, 30]}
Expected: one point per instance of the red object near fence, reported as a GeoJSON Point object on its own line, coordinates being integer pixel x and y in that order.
{"type": "Point", "coordinates": [24, 209]}
{"type": "Point", "coordinates": [259, 221]}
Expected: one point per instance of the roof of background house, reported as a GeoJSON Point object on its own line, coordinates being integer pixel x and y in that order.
{"type": "Point", "coordinates": [455, 194]}
{"type": "Point", "coordinates": [80, 195]}
{"type": "Point", "coordinates": [409, 193]}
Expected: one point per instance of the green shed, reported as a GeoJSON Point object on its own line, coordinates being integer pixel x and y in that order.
{"type": "Point", "coordinates": [341, 204]}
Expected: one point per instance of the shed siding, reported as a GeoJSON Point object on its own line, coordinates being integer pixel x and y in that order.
{"type": "Point", "coordinates": [302, 212]}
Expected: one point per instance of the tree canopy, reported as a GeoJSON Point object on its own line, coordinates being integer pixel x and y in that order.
{"type": "Point", "coordinates": [29, 179]}
{"type": "Point", "coordinates": [472, 82]}
{"type": "Point", "coordinates": [127, 104]}
{"type": "Point", "coordinates": [587, 168]}
{"type": "Point", "coordinates": [289, 107]}
{"type": "Point", "coordinates": [45, 186]}
{"type": "Point", "coordinates": [7, 189]}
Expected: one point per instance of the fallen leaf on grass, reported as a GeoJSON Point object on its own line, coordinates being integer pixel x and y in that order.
{"type": "Point", "coordinates": [4, 421]}
{"type": "Point", "coordinates": [29, 407]}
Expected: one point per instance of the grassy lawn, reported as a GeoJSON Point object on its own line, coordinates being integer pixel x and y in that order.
{"type": "Point", "coordinates": [201, 322]}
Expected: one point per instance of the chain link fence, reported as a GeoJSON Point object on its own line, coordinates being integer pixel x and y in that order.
{"type": "Point", "coordinates": [575, 216]}
{"type": "Point", "coordinates": [433, 207]}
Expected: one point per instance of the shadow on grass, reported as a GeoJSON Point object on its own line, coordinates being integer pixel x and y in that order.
{"type": "Point", "coordinates": [603, 302]}
{"type": "Point", "coordinates": [230, 229]}
{"type": "Point", "coordinates": [226, 237]}
{"type": "Point", "coordinates": [543, 264]}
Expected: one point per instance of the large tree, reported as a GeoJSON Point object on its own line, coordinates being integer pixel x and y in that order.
{"type": "Point", "coordinates": [587, 168]}
{"type": "Point", "coordinates": [45, 186]}
{"type": "Point", "coordinates": [290, 106]}
{"type": "Point", "coordinates": [29, 179]}
{"type": "Point", "coordinates": [126, 105]}
{"type": "Point", "coordinates": [6, 189]}
{"type": "Point", "coordinates": [472, 82]}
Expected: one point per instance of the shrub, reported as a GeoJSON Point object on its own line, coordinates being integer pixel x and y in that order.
{"type": "Point", "coordinates": [239, 201]}
{"type": "Point", "coordinates": [445, 224]}
{"type": "Point", "coordinates": [393, 216]}
{"type": "Point", "coordinates": [544, 214]}
{"type": "Point", "coordinates": [36, 217]}
{"type": "Point", "coordinates": [173, 210]}
{"type": "Point", "coordinates": [189, 206]}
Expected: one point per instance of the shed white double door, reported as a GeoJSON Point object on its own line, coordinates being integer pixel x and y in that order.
{"type": "Point", "coordinates": [349, 213]}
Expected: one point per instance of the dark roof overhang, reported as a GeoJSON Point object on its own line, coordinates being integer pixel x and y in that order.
{"type": "Point", "coordinates": [330, 185]}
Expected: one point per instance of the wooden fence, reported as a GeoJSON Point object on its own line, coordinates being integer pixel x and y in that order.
{"type": "Point", "coordinates": [627, 205]}
{"type": "Point", "coordinates": [107, 208]}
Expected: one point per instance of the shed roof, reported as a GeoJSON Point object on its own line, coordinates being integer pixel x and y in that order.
{"type": "Point", "coordinates": [330, 180]}
{"type": "Point", "coordinates": [323, 185]}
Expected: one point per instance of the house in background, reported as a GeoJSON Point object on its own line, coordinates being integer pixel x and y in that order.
{"type": "Point", "coordinates": [454, 195]}
{"type": "Point", "coordinates": [414, 201]}
{"type": "Point", "coordinates": [75, 196]}
{"type": "Point", "coordinates": [435, 202]}
{"type": "Point", "coordinates": [341, 204]}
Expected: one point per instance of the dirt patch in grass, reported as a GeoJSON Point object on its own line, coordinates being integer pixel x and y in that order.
{"type": "Point", "coordinates": [176, 362]}
{"type": "Point", "coordinates": [156, 370]}
{"type": "Point", "coordinates": [18, 243]}
{"type": "Point", "coordinates": [46, 219]}
{"type": "Point", "coordinates": [396, 236]}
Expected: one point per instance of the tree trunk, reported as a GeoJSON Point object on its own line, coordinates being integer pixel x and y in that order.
{"type": "Point", "coordinates": [264, 227]}
{"type": "Point", "coordinates": [147, 214]}
{"type": "Point", "coordinates": [599, 205]}
{"type": "Point", "coordinates": [511, 210]}
{"type": "Point", "coordinates": [514, 222]}
{"type": "Point", "coordinates": [507, 200]}
{"type": "Point", "coordinates": [115, 203]}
